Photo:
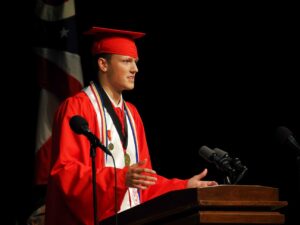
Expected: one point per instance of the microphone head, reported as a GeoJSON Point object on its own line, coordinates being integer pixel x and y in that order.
{"type": "Point", "coordinates": [283, 133]}
{"type": "Point", "coordinates": [78, 124]}
{"type": "Point", "coordinates": [206, 153]}
{"type": "Point", "coordinates": [221, 153]}
{"type": "Point", "coordinates": [285, 136]}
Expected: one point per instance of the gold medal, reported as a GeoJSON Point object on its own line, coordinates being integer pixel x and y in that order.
{"type": "Point", "coordinates": [127, 159]}
{"type": "Point", "coordinates": [111, 146]}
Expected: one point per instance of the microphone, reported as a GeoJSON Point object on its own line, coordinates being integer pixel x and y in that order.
{"type": "Point", "coordinates": [285, 136]}
{"type": "Point", "coordinates": [218, 159]}
{"type": "Point", "coordinates": [80, 126]}
{"type": "Point", "coordinates": [236, 163]}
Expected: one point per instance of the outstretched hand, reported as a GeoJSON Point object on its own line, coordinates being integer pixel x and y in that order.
{"type": "Point", "coordinates": [139, 177]}
{"type": "Point", "coordinates": [196, 182]}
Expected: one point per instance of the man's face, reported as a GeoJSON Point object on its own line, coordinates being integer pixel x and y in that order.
{"type": "Point", "coordinates": [121, 72]}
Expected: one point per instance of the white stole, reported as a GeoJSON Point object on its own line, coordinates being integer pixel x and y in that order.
{"type": "Point", "coordinates": [109, 134]}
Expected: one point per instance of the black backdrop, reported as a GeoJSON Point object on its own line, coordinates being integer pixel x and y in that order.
{"type": "Point", "coordinates": [220, 75]}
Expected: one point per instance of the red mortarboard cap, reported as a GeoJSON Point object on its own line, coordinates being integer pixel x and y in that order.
{"type": "Point", "coordinates": [114, 41]}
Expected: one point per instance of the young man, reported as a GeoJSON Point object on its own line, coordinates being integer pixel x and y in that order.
{"type": "Point", "coordinates": [119, 127]}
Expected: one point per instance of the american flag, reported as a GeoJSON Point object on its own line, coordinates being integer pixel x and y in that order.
{"type": "Point", "coordinates": [58, 68]}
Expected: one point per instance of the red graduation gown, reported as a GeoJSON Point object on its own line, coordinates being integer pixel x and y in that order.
{"type": "Point", "coordinates": [69, 196]}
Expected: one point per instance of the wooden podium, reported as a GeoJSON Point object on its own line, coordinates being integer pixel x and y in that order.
{"type": "Point", "coordinates": [223, 204]}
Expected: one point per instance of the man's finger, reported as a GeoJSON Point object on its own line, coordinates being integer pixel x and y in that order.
{"type": "Point", "coordinates": [138, 164]}
{"type": "Point", "coordinates": [143, 177]}
{"type": "Point", "coordinates": [202, 174]}
{"type": "Point", "coordinates": [139, 183]}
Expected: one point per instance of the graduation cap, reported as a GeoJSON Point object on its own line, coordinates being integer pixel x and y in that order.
{"type": "Point", "coordinates": [114, 41]}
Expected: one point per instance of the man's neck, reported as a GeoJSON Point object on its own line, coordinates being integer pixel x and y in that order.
{"type": "Point", "coordinates": [113, 95]}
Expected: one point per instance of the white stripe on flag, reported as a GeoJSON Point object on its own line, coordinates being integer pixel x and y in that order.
{"type": "Point", "coordinates": [54, 13]}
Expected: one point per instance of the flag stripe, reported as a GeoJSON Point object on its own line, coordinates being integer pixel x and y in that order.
{"type": "Point", "coordinates": [56, 80]}
{"type": "Point", "coordinates": [55, 11]}
{"type": "Point", "coordinates": [66, 61]}
{"type": "Point", "coordinates": [47, 107]}
{"type": "Point", "coordinates": [43, 157]}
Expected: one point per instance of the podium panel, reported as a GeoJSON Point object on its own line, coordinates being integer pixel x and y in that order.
{"type": "Point", "coordinates": [218, 205]}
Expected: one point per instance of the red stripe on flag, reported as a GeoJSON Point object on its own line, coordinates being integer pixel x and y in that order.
{"type": "Point", "coordinates": [56, 80]}
{"type": "Point", "coordinates": [42, 163]}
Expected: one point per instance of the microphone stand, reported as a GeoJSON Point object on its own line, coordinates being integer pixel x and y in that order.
{"type": "Point", "coordinates": [227, 180]}
{"type": "Point", "coordinates": [93, 155]}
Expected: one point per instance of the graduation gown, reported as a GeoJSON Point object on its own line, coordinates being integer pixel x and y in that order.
{"type": "Point", "coordinates": [69, 196]}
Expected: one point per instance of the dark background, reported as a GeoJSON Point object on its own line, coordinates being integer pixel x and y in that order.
{"type": "Point", "coordinates": [219, 75]}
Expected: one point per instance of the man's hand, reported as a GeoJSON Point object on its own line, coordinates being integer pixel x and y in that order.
{"type": "Point", "coordinates": [196, 182]}
{"type": "Point", "coordinates": [139, 177]}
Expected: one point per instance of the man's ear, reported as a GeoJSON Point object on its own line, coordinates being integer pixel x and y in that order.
{"type": "Point", "coordinates": [102, 64]}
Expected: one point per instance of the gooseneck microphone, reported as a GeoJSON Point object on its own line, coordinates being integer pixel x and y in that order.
{"type": "Point", "coordinates": [286, 137]}
{"type": "Point", "coordinates": [80, 126]}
